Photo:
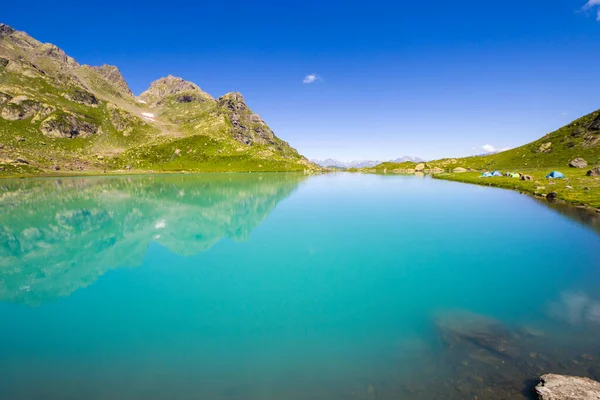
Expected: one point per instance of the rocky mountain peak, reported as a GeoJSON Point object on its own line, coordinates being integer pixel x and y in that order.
{"type": "Point", "coordinates": [112, 75]}
{"type": "Point", "coordinates": [167, 86]}
{"type": "Point", "coordinates": [6, 30]}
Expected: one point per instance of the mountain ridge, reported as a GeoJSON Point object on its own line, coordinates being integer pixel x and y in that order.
{"type": "Point", "coordinates": [58, 115]}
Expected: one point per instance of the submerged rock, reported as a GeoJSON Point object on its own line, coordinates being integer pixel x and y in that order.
{"type": "Point", "coordinates": [578, 163]}
{"type": "Point", "coordinates": [482, 331]}
{"type": "Point", "coordinates": [561, 387]}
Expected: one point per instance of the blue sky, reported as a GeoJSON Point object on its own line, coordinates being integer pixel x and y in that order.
{"type": "Point", "coordinates": [428, 79]}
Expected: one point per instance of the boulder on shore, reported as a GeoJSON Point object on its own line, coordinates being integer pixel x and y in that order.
{"type": "Point", "coordinates": [562, 387]}
{"type": "Point", "coordinates": [578, 163]}
{"type": "Point", "coordinates": [419, 167]}
{"type": "Point", "coordinates": [594, 171]}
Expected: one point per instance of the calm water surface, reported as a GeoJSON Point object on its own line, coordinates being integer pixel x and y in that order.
{"type": "Point", "coordinates": [281, 286]}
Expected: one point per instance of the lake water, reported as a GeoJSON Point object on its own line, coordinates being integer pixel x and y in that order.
{"type": "Point", "coordinates": [281, 286]}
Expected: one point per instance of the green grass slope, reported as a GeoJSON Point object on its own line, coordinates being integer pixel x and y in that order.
{"type": "Point", "coordinates": [581, 138]}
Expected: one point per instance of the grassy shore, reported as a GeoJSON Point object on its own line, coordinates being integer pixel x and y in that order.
{"type": "Point", "coordinates": [576, 189]}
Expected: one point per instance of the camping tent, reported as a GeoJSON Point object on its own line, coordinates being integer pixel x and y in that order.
{"type": "Point", "coordinates": [555, 175]}
{"type": "Point", "coordinates": [496, 173]}
{"type": "Point", "coordinates": [486, 175]}
{"type": "Point", "coordinates": [513, 175]}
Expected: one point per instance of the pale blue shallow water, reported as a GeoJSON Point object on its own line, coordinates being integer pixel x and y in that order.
{"type": "Point", "coordinates": [280, 286]}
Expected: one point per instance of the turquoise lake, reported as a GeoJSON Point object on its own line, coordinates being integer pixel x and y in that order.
{"type": "Point", "coordinates": [282, 286]}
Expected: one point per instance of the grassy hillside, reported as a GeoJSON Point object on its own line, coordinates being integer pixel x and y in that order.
{"type": "Point", "coordinates": [554, 151]}
{"type": "Point", "coordinates": [581, 138]}
{"type": "Point", "coordinates": [61, 117]}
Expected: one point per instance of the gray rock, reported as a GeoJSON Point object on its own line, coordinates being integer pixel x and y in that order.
{"type": "Point", "coordinates": [562, 387]}
{"type": "Point", "coordinates": [21, 161]}
{"type": "Point", "coordinates": [578, 163]}
{"type": "Point", "coordinates": [459, 169]}
{"type": "Point", "coordinates": [595, 125]}
{"type": "Point", "coordinates": [20, 108]}
{"type": "Point", "coordinates": [6, 30]}
{"type": "Point", "coordinates": [248, 128]}
{"type": "Point", "coordinates": [56, 167]}
{"type": "Point", "coordinates": [112, 75]}
{"type": "Point", "coordinates": [551, 196]}
{"type": "Point", "coordinates": [83, 97]}
{"type": "Point", "coordinates": [545, 147]}
{"type": "Point", "coordinates": [170, 85]}
{"type": "Point", "coordinates": [594, 171]}
{"type": "Point", "coordinates": [67, 126]}
{"type": "Point", "coordinates": [419, 167]}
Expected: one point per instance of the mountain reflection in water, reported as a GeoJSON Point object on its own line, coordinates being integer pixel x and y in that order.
{"type": "Point", "coordinates": [57, 236]}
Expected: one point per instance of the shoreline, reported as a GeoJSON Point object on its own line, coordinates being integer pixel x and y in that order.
{"type": "Point", "coordinates": [571, 199]}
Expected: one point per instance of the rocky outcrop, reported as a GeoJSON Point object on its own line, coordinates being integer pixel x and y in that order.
{"type": "Point", "coordinates": [594, 171]}
{"type": "Point", "coordinates": [20, 108]}
{"type": "Point", "coordinates": [420, 167]}
{"type": "Point", "coordinates": [595, 125]}
{"type": "Point", "coordinates": [6, 30]}
{"type": "Point", "coordinates": [578, 163]}
{"type": "Point", "coordinates": [61, 125]}
{"type": "Point", "coordinates": [170, 85]}
{"type": "Point", "coordinates": [82, 97]}
{"type": "Point", "coordinates": [113, 76]}
{"type": "Point", "coordinates": [561, 387]}
{"type": "Point", "coordinates": [545, 147]}
{"type": "Point", "coordinates": [4, 98]}
{"type": "Point", "coordinates": [459, 170]}
{"type": "Point", "coordinates": [247, 127]}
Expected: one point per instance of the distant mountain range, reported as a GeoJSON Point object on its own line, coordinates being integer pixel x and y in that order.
{"type": "Point", "coordinates": [330, 162]}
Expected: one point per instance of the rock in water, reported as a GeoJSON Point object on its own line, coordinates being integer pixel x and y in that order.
{"type": "Point", "coordinates": [561, 387]}
{"type": "Point", "coordinates": [482, 331]}
{"type": "Point", "coordinates": [594, 171]}
{"type": "Point", "coordinates": [578, 163]}
{"type": "Point", "coordinates": [551, 197]}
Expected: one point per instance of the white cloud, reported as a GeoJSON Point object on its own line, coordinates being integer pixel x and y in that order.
{"type": "Point", "coordinates": [489, 149]}
{"type": "Point", "coordinates": [591, 4]}
{"type": "Point", "coordinates": [311, 78]}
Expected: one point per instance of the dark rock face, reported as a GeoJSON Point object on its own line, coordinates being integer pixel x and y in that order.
{"type": "Point", "coordinates": [551, 197]}
{"type": "Point", "coordinates": [578, 163]}
{"type": "Point", "coordinates": [67, 126]}
{"type": "Point", "coordinates": [594, 171]}
{"type": "Point", "coordinates": [561, 387]}
{"type": "Point", "coordinates": [6, 30]}
{"type": "Point", "coordinates": [595, 125]}
{"type": "Point", "coordinates": [52, 51]}
{"type": "Point", "coordinates": [248, 128]}
{"type": "Point", "coordinates": [83, 97]}
{"type": "Point", "coordinates": [112, 75]}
